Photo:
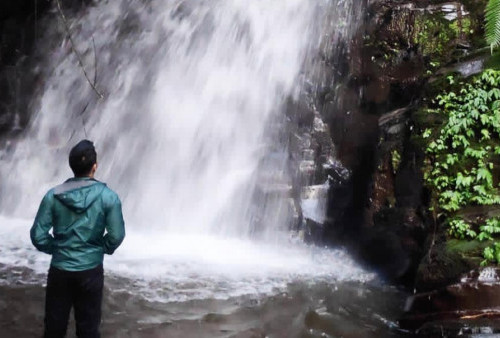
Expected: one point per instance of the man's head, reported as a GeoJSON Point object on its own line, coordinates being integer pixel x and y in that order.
{"type": "Point", "coordinates": [83, 159]}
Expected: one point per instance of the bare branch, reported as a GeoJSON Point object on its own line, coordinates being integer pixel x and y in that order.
{"type": "Point", "coordinates": [95, 61]}
{"type": "Point", "coordinates": [73, 48]}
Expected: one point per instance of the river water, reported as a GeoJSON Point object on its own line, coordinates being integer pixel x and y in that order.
{"type": "Point", "coordinates": [193, 93]}
{"type": "Point", "coordinates": [208, 287]}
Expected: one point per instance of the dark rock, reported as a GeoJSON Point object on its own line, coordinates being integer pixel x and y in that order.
{"type": "Point", "coordinates": [473, 300]}
{"type": "Point", "coordinates": [446, 261]}
{"type": "Point", "coordinates": [327, 324]}
{"type": "Point", "coordinates": [19, 22]}
{"type": "Point", "coordinates": [461, 328]}
{"type": "Point", "coordinates": [382, 250]}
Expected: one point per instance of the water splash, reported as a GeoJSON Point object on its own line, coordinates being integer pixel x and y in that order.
{"type": "Point", "coordinates": [190, 88]}
{"type": "Point", "coordinates": [178, 268]}
{"type": "Point", "coordinates": [189, 127]}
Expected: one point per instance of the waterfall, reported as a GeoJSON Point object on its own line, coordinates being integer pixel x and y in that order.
{"type": "Point", "coordinates": [192, 133]}
{"type": "Point", "coordinates": [192, 91]}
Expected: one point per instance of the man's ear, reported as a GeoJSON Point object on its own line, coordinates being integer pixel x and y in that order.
{"type": "Point", "coordinates": [94, 167]}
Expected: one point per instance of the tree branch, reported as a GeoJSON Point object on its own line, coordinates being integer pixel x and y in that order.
{"type": "Point", "coordinates": [73, 48]}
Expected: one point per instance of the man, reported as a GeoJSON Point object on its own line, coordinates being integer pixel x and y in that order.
{"type": "Point", "coordinates": [86, 221]}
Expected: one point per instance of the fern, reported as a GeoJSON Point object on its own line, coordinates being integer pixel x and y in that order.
{"type": "Point", "coordinates": [492, 26]}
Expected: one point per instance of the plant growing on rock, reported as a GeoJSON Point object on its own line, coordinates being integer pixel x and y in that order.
{"type": "Point", "coordinates": [463, 155]}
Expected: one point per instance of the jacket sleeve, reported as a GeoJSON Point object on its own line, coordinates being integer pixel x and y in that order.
{"type": "Point", "coordinates": [115, 226]}
{"type": "Point", "coordinates": [39, 233]}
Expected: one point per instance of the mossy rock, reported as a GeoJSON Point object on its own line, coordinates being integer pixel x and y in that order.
{"type": "Point", "coordinates": [435, 36]}
{"type": "Point", "coordinates": [447, 261]}
{"type": "Point", "coordinates": [425, 119]}
{"type": "Point", "coordinates": [469, 251]}
{"type": "Point", "coordinates": [494, 60]}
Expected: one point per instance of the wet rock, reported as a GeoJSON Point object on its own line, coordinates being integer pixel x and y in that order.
{"type": "Point", "coordinates": [313, 202]}
{"type": "Point", "coordinates": [316, 171]}
{"type": "Point", "coordinates": [408, 229]}
{"type": "Point", "coordinates": [251, 333]}
{"type": "Point", "coordinates": [327, 324]}
{"type": "Point", "coordinates": [19, 24]}
{"type": "Point", "coordinates": [466, 68]}
{"type": "Point", "coordinates": [447, 260]}
{"type": "Point", "coordinates": [462, 328]}
{"type": "Point", "coordinates": [470, 306]}
{"type": "Point", "coordinates": [405, 42]}
{"type": "Point", "coordinates": [395, 201]}
{"type": "Point", "coordinates": [382, 250]}
{"type": "Point", "coordinates": [299, 112]}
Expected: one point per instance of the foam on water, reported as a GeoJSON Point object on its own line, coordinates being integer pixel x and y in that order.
{"type": "Point", "coordinates": [177, 267]}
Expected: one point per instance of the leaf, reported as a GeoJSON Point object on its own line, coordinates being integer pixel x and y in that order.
{"type": "Point", "coordinates": [494, 93]}
{"type": "Point", "coordinates": [492, 26]}
{"type": "Point", "coordinates": [485, 118]}
{"type": "Point", "coordinates": [497, 255]}
{"type": "Point", "coordinates": [483, 236]}
{"type": "Point", "coordinates": [488, 253]}
{"type": "Point", "coordinates": [480, 189]}
{"type": "Point", "coordinates": [483, 174]}
{"type": "Point", "coordinates": [486, 134]}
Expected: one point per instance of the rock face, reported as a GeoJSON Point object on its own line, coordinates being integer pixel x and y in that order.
{"type": "Point", "coordinates": [407, 47]}
{"type": "Point", "coordinates": [315, 170]}
{"type": "Point", "coordinates": [355, 128]}
{"type": "Point", "coordinates": [17, 35]}
{"type": "Point", "coordinates": [368, 97]}
{"type": "Point", "coordinates": [410, 49]}
{"type": "Point", "coordinates": [21, 23]}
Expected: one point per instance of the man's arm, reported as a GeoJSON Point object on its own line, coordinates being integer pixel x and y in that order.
{"type": "Point", "coordinates": [115, 227]}
{"type": "Point", "coordinates": [39, 233]}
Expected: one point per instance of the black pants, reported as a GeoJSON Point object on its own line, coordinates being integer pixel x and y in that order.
{"type": "Point", "coordinates": [80, 289]}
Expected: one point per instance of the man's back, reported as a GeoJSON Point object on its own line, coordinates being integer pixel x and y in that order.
{"type": "Point", "coordinates": [79, 210]}
{"type": "Point", "coordinates": [86, 220]}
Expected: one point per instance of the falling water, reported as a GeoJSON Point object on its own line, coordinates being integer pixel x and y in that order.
{"type": "Point", "coordinates": [189, 90]}
{"type": "Point", "coordinates": [190, 124]}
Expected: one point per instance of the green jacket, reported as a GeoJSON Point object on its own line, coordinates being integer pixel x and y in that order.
{"type": "Point", "coordinates": [79, 211]}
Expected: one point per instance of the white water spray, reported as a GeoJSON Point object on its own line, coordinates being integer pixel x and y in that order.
{"type": "Point", "coordinates": [192, 89]}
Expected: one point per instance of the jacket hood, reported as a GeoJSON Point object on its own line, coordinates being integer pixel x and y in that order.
{"type": "Point", "coordinates": [78, 194]}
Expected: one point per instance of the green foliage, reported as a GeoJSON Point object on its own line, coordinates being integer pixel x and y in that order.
{"type": "Point", "coordinates": [491, 254]}
{"type": "Point", "coordinates": [434, 34]}
{"type": "Point", "coordinates": [463, 151]}
{"type": "Point", "coordinates": [492, 26]}
{"type": "Point", "coordinates": [462, 163]}
{"type": "Point", "coordinates": [460, 229]}
{"type": "Point", "coordinates": [490, 229]}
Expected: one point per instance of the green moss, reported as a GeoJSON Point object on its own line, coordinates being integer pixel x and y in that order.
{"type": "Point", "coordinates": [470, 251]}
{"type": "Point", "coordinates": [494, 60]}
{"type": "Point", "coordinates": [433, 34]}
{"type": "Point", "coordinates": [429, 34]}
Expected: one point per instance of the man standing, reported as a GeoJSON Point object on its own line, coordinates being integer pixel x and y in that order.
{"type": "Point", "coordinates": [86, 221]}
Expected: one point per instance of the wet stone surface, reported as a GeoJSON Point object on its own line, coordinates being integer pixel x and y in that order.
{"type": "Point", "coordinates": [470, 307]}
